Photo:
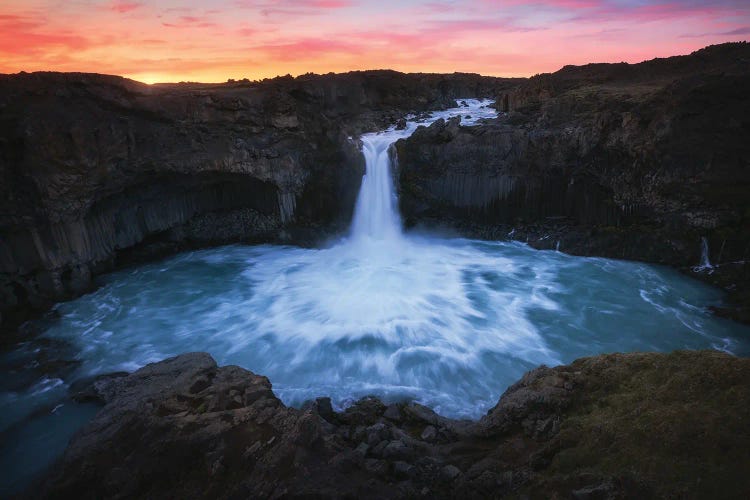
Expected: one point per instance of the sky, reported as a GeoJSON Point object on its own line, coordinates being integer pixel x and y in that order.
{"type": "Point", "coordinates": [212, 41]}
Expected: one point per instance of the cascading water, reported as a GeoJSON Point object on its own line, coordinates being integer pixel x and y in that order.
{"type": "Point", "coordinates": [376, 213]}
{"type": "Point", "coordinates": [449, 323]}
{"type": "Point", "coordinates": [705, 264]}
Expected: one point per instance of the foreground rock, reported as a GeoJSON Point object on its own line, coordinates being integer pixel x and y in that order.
{"type": "Point", "coordinates": [610, 426]}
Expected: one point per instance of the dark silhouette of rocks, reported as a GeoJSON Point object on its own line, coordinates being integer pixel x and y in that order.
{"type": "Point", "coordinates": [611, 426]}
{"type": "Point", "coordinates": [97, 171]}
{"type": "Point", "coordinates": [636, 161]}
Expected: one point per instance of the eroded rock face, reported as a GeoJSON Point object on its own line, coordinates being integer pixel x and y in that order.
{"type": "Point", "coordinates": [98, 169]}
{"type": "Point", "coordinates": [627, 161]}
{"type": "Point", "coordinates": [610, 426]}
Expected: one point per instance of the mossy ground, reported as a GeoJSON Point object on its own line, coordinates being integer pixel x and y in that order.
{"type": "Point", "coordinates": [676, 423]}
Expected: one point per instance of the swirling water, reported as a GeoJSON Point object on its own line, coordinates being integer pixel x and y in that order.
{"type": "Point", "coordinates": [449, 323]}
{"type": "Point", "coordinates": [446, 322]}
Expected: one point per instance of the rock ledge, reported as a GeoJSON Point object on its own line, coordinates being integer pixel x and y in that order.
{"type": "Point", "coordinates": [610, 426]}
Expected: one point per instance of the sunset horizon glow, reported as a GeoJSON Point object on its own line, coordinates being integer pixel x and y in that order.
{"type": "Point", "coordinates": [171, 41]}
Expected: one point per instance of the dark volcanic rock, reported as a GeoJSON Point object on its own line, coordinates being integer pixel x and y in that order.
{"type": "Point", "coordinates": [611, 426]}
{"type": "Point", "coordinates": [627, 161]}
{"type": "Point", "coordinates": [97, 170]}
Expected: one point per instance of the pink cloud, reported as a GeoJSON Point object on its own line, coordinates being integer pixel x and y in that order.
{"type": "Point", "coordinates": [190, 22]}
{"type": "Point", "coordinates": [745, 30]}
{"type": "Point", "coordinates": [638, 11]}
{"type": "Point", "coordinates": [173, 10]}
{"type": "Point", "coordinates": [123, 6]}
{"type": "Point", "coordinates": [555, 4]}
{"type": "Point", "coordinates": [324, 4]}
{"type": "Point", "coordinates": [21, 34]}
{"type": "Point", "coordinates": [608, 11]}
{"type": "Point", "coordinates": [291, 5]}
{"type": "Point", "coordinates": [502, 37]}
{"type": "Point", "coordinates": [476, 25]}
{"type": "Point", "coordinates": [306, 48]}
{"type": "Point", "coordinates": [438, 7]}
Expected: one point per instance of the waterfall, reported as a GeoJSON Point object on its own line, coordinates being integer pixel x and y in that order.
{"type": "Point", "coordinates": [705, 264]}
{"type": "Point", "coordinates": [376, 214]}
{"type": "Point", "coordinates": [287, 205]}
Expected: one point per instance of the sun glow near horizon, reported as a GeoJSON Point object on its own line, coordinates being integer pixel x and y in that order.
{"type": "Point", "coordinates": [172, 40]}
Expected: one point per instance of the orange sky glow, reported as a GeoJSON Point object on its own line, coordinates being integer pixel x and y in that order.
{"type": "Point", "coordinates": [169, 40]}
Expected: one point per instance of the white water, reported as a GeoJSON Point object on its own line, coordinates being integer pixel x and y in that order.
{"type": "Point", "coordinates": [705, 264]}
{"type": "Point", "coordinates": [446, 322]}
{"type": "Point", "coordinates": [449, 323]}
{"type": "Point", "coordinates": [376, 213]}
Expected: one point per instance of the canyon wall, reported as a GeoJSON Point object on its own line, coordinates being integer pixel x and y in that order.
{"type": "Point", "coordinates": [627, 161]}
{"type": "Point", "coordinates": [97, 170]}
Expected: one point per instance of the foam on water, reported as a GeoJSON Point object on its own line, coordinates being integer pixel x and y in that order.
{"type": "Point", "coordinates": [447, 322]}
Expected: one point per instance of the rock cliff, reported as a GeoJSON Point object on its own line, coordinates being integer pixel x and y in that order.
{"type": "Point", "coordinates": [635, 161]}
{"type": "Point", "coordinates": [612, 426]}
{"type": "Point", "coordinates": [97, 170]}
{"type": "Point", "coordinates": [638, 161]}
